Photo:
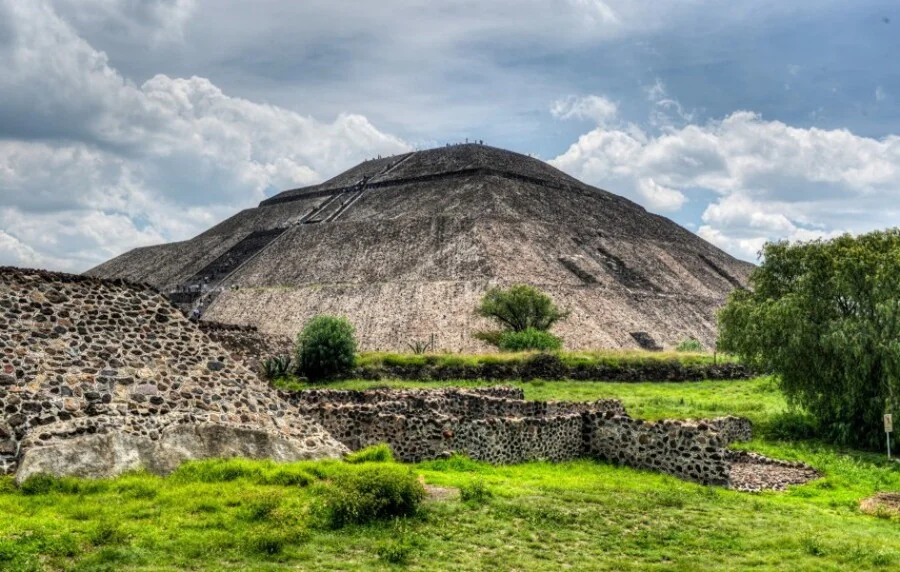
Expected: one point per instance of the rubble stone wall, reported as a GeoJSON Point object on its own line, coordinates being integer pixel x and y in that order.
{"type": "Point", "coordinates": [496, 425]}
{"type": "Point", "coordinates": [674, 447]}
{"type": "Point", "coordinates": [74, 348]}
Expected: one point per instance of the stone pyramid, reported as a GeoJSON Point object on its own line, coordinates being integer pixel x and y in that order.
{"type": "Point", "coordinates": [405, 246]}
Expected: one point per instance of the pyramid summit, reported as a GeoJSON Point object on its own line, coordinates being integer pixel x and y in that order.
{"type": "Point", "coordinates": [405, 246]}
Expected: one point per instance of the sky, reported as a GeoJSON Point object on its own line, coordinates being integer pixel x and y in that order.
{"type": "Point", "coordinates": [126, 123]}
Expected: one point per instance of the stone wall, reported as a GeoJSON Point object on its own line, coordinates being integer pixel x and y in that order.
{"type": "Point", "coordinates": [678, 448]}
{"type": "Point", "coordinates": [246, 343]}
{"type": "Point", "coordinates": [496, 425]}
{"type": "Point", "coordinates": [81, 356]}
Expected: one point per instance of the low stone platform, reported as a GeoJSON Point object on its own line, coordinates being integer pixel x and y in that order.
{"type": "Point", "coordinates": [497, 425]}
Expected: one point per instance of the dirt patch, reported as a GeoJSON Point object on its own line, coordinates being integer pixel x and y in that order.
{"type": "Point", "coordinates": [882, 503]}
{"type": "Point", "coordinates": [441, 493]}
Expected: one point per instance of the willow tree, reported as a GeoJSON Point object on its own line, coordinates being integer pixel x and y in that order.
{"type": "Point", "coordinates": [824, 317]}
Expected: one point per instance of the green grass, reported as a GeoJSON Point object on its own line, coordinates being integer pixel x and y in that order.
{"type": "Point", "coordinates": [612, 358]}
{"type": "Point", "coordinates": [585, 515]}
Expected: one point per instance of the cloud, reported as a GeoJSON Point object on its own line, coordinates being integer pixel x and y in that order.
{"type": "Point", "coordinates": [772, 180]}
{"type": "Point", "coordinates": [593, 107]}
{"type": "Point", "coordinates": [159, 21]}
{"type": "Point", "coordinates": [660, 198]}
{"type": "Point", "coordinates": [880, 94]}
{"type": "Point", "coordinates": [92, 164]}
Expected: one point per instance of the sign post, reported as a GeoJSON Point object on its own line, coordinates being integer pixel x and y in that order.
{"type": "Point", "coordinates": [888, 428]}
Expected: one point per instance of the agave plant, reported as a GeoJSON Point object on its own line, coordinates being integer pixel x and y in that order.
{"type": "Point", "coordinates": [421, 346]}
{"type": "Point", "coordinates": [277, 367]}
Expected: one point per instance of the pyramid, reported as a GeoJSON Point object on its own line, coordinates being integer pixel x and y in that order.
{"type": "Point", "coordinates": [405, 246]}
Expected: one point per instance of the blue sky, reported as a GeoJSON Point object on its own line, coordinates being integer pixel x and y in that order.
{"type": "Point", "coordinates": [135, 122]}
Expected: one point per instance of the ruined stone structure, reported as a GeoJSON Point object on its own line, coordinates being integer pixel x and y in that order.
{"type": "Point", "coordinates": [99, 377]}
{"type": "Point", "coordinates": [496, 425]}
{"type": "Point", "coordinates": [406, 246]}
{"type": "Point", "coordinates": [102, 377]}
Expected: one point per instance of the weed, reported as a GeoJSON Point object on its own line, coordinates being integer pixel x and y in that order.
{"type": "Point", "coordinates": [475, 492]}
{"type": "Point", "coordinates": [375, 454]}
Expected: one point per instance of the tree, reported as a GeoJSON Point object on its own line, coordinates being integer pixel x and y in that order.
{"type": "Point", "coordinates": [824, 316]}
{"type": "Point", "coordinates": [326, 348]}
{"type": "Point", "coordinates": [525, 314]}
{"type": "Point", "coordinates": [520, 307]}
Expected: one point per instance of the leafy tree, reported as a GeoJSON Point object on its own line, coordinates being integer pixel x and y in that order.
{"type": "Point", "coordinates": [825, 317]}
{"type": "Point", "coordinates": [326, 348]}
{"type": "Point", "coordinates": [520, 307]}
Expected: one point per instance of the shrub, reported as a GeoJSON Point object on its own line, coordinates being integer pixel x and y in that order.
{"type": "Point", "coordinates": [823, 316]}
{"type": "Point", "coordinates": [528, 340]}
{"type": "Point", "coordinates": [520, 307]}
{"type": "Point", "coordinates": [326, 348]}
{"type": "Point", "coordinates": [689, 345]}
{"type": "Point", "coordinates": [374, 454]}
{"type": "Point", "coordinates": [369, 493]}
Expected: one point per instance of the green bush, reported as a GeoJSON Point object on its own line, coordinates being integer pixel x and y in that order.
{"type": "Point", "coordinates": [369, 493]}
{"type": "Point", "coordinates": [375, 454]}
{"type": "Point", "coordinates": [520, 307]}
{"type": "Point", "coordinates": [529, 339]}
{"type": "Point", "coordinates": [689, 345]}
{"type": "Point", "coordinates": [824, 316]}
{"type": "Point", "coordinates": [326, 348]}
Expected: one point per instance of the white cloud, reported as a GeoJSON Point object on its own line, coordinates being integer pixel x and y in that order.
{"type": "Point", "coordinates": [92, 164]}
{"type": "Point", "coordinates": [773, 180]}
{"type": "Point", "coordinates": [880, 94]}
{"type": "Point", "coordinates": [593, 107]}
{"type": "Point", "coordinates": [659, 197]}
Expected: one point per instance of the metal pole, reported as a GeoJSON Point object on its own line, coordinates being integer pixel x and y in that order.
{"type": "Point", "coordinates": [889, 444]}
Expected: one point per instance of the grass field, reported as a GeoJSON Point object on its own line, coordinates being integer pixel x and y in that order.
{"type": "Point", "coordinates": [581, 515]}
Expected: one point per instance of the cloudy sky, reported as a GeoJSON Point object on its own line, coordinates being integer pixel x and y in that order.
{"type": "Point", "coordinates": [133, 122]}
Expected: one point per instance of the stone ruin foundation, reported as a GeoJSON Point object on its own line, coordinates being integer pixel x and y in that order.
{"type": "Point", "coordinates": [497, 425]}
{"type": "Point", "coordinates": [101, 377]}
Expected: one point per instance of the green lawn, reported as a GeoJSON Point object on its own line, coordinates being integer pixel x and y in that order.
{"type": "Point", "coordinates": [580, 516]}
